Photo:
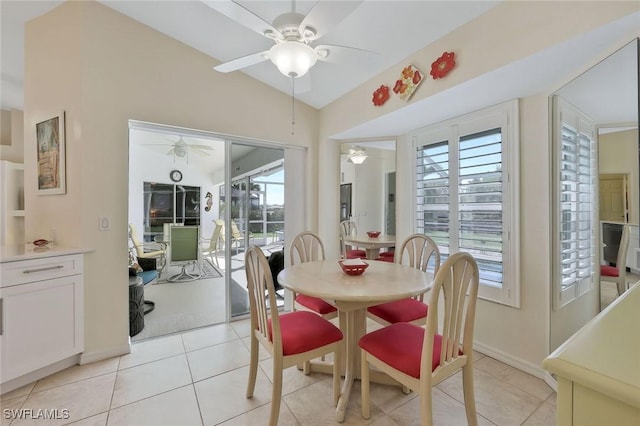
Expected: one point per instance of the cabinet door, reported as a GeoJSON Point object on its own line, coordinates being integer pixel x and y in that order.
{"type": "Point", "coordinates": [42, 323]}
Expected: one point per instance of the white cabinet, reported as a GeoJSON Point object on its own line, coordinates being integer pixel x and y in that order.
{"type": "Point", "coordinates": [41, 313]}
{"type": "Point", "coordinates": [598, 368]}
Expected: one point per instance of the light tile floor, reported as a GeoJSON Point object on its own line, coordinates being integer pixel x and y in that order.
{"type": "Point", "coordinates": [199, 378]}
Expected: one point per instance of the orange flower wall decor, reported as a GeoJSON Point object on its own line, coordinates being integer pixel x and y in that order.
{"type": "Point", "coordinates": [409, 81]}
{"type": "Point", "coordinates": [441, 66]}
{"type": "Point", "coordinates": [381, 95]}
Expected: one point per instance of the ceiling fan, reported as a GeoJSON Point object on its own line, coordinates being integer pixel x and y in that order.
{"type": "Point", "coordinates": [292, 34]}
{"type": "Point", "coordinates": [181, 149]}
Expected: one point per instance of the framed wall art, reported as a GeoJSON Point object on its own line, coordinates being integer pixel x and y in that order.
{"type": "Point", "coordinates": [50, 138]}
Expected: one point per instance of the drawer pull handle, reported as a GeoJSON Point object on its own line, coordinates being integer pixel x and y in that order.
{"type": "Point", "coordinates": [30, 271]}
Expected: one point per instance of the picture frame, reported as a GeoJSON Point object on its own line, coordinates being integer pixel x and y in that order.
{"type": "Point", "coordinates": [51, 153]}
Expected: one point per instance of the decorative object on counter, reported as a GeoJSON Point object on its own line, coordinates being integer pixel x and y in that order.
{"type": "Point", "coordinates": [408, 82]}
{"type": "Point", "coordinates": [373, 234]}
{"type": "Point", "coordinates": [41, 242]}
{"type": "Point", "coordinates": [353, 266]}
{"type": "Point", "coordinates": [50, 141]}
{"type": "Point", "coordinates": [441, 66]}
{"type": "Point", "coordinates": [381, 95]}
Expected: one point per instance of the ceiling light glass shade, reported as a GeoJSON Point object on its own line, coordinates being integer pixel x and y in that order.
{"type": "Point", "coordinates": [358, 156]}
{"type": "Point", "coordinates": [292, 58]}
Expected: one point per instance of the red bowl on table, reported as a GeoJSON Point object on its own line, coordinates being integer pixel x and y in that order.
{"type": "Point", "coordinates": [373, 234]}
{"type": "Point", "coordinates": [357, 269]}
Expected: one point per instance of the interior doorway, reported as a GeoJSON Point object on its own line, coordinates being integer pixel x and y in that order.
{"type": "Point", "coordinates": [614, 198]}
{"type": "Point", "coordinates": [160, 171]}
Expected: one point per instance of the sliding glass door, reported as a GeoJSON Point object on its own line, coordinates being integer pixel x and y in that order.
{"type": "Point", "coordinates": [254, 207]}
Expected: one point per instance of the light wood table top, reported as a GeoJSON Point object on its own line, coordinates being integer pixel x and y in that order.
{"type": "Point", "coordinates": [381, 282]}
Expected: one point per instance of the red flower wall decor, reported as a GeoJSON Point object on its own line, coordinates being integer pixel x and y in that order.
{"type": "Point", "coordinates": [409, 81]}
{"type": "Point", "coordinates": [441, 66]}
{"type": "Point", "coordinates": [381, 95]}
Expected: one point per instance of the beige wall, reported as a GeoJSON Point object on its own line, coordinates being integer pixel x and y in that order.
{"type": "Point", "coordinates": [103, 69]}
{"type": "Point", "coordinates": [509, 32]}
{"type": "Point", "coordinates": [12, 131]}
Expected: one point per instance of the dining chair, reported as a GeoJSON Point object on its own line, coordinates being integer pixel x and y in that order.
{"type": "Point", "coordinates": [618, 274]}
{"type": "Point", "coordinates": [291, 338]}
{"type": "Point", "coordinates": [418, 251]}
{"type": "Point", "coordinates": [307, 247]}
{"type": "Point", "coordinates": [420, 358]}
{"type": "Point", "coordinates": [214, 245]}
{"type": "Point", "coordinates": [147, 250]}
{"type": "Point", "coordinates": [347, 227]}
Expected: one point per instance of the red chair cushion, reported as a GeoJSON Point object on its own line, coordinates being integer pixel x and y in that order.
{"type": "Point", "coordinates": [315, 304]}
{"type": "Point", "coordinates": [400, 346]}
{"type": "Point", "coordinates": [385, 259]}
{"type": "Point", "coordinates": [303, 331]}
{"type": "Point", "coordinates": [609, 271]}
{"type": "Point", "coordinates": [390, 254]}
{"type": "Point", "coordinates": [355, 254]}
{"type": "Point", "coordinates": [404, 310]}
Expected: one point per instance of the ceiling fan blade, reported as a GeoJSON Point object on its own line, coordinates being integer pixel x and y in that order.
{"type": "Point", "coordinates": [326, 14]}
{"type": "Point", "coordinates": [200, 151]}
{"type": "Point", "coordinates": [242, 62]}
{"type": "Point", "coordinates": [344, 54]}
{"type": "Point", "coordinates": [205, 147]}
{"type": "Point", "coordinates": [243, 16]}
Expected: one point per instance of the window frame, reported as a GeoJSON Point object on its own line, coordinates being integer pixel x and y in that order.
{"type": "Point", "coordinates": [506, 117]}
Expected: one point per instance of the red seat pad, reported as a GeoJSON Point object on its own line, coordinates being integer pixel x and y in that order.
{"type": "Point", "coordinates": [609, 271]}
{"type": "Point", "coordinates": [387, 254]}
{"type": "Point", "coordinates": [355, 254]}
{"type": "Point", "coordinates": [400, 346]}
{"type": "Point", "coordinates": [404, 310]}
{"type": "Point", "coordinates": [385, 259]}
{"type": "Point", "coordinates": [315, 304]}
{"type": "Point", "coordinates": [303, 331]}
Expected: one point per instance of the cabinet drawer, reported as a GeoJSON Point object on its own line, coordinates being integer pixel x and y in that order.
{"type": "Point", "coordinates": [26, 271]}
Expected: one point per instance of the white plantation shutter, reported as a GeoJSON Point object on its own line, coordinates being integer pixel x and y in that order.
{"type": "Point", "coordinates": [466, 194]}
{"type": "Point", "coordinates": [576, 176]}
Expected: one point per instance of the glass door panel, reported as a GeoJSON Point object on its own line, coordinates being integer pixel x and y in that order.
{"type": "Point", "coordinates": [255, 212]}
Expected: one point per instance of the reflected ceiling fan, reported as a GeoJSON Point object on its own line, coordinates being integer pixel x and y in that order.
{"type": "Point", "coordinates": [181, 149]}
{"type": "Point", "coordinates": [293, 34]}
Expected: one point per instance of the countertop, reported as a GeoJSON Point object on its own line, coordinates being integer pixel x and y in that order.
{"type": "Point", "coordinates": [604, 355]}
{"type": "Point", "coordinates": [29, 251]}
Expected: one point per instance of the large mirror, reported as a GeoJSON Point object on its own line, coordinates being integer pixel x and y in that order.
{"type": "Point", "coordinates": [606, 98]}
{"type": "Point", "coordinates": [367, 185]}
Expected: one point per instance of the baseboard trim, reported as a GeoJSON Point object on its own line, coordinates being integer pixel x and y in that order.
{"type": "Point", "coordinates": [40, 373]}
{"type": "Point", "coordinates": [520, 364]}
{"type": "Point", "coordinates": [105, 353]}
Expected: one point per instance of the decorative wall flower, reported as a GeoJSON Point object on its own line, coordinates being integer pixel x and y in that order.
{"type": "Point", "coordinates": [441, 66]}
{"type": "Point", "coordinates": [409, 80]}
{"type": "Point", "coordinates": [381, 95]}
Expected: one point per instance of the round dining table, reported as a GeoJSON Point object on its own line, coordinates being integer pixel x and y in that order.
{"type": "Point", "coordinates": [351, 295]}
{"type": "Point", "coordinates": [371, 244]}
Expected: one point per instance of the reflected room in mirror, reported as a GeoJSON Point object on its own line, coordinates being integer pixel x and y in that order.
{"type": "Point", "coordinates": [597, 191]}
{"type": "Point", "coordinates": [367, 182]}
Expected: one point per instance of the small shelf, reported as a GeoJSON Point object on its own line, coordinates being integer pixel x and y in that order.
{"type": "Point", "coordinates": [17, 213]}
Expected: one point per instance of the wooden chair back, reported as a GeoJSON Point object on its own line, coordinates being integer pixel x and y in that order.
{"type": "Point", "coordinates": [306, 247]}
{"type": "Point", "coordinates": [457, 282]}
{"type": "Point", "coordinates": [259, 284]}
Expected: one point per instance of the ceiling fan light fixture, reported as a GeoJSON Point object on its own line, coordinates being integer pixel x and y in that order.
{"type": "Point", "coordinates": [293, 58]}
{"type": "Point", "coordinates": [357, 156]}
